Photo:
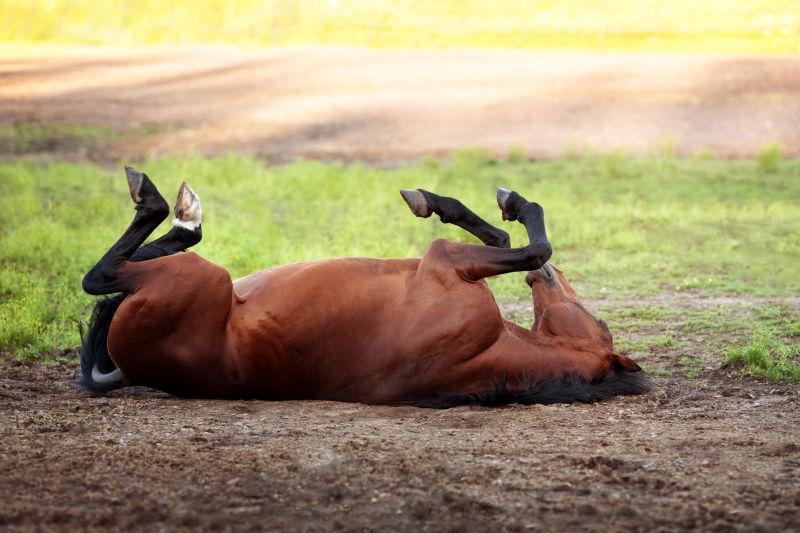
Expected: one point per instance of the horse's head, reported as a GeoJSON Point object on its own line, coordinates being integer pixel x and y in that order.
{"type": "Point", "coordinates": [559, 312]}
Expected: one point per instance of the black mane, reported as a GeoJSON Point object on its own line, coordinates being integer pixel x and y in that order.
{"type": "Point", "coordinates": [571, 388]}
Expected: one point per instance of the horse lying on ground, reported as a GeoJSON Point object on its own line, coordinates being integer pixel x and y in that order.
{"type": "Point", "coordinates": [412, 331]}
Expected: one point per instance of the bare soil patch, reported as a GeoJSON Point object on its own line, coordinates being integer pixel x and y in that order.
{"type": "Point", "coordinates": [715, 453]}
{"type": "Point", "coordinates": [393, 106]}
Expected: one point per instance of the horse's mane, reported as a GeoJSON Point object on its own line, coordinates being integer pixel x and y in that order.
{"type": "Point", "coordinates": [570, 388]}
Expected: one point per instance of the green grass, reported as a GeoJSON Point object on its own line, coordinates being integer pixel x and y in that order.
{"type": "Point", "coordinates": [620, 226]}
{"type": "Point", "coordinates": [692, 366]}
{"type": "Point", "coordinates": [658, 372]}
{"type": "Point", "coordinates": [769, 158]}
{"type": "Point", "coordinates": [735, 26]}
{"type": "Point", "coordinates": [767, 355]}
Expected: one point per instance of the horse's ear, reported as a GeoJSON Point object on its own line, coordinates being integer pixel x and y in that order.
{"type": "Point", "coordinates": [623, 362]}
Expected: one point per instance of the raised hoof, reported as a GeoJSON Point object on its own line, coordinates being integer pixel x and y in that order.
{"type": "Point", "coordinates": [135, 181]}
{"type": "Point", "coordinates": [145, 195]}
{"type": "Point", "coordinates": [188, 212]}
{"type": "Point", "coordinates": [503, 196]}
{"type": "Point", "coordinates": [510, 203]}
{"type": "Point", "coordinates": [416, 202]}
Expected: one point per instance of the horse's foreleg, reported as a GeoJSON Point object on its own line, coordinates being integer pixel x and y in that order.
{"type": "Point", "coordinates": [478, 262]}
{"type": "Point", "coordinates": [451, 211]}
{"type": "Point", "coordinates": [108, 275]}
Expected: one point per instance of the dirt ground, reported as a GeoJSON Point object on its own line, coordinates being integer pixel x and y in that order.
{"type": "Point", "coordinates": [713, 453]}
{"type": "Point", "coordinates": [392, 106]}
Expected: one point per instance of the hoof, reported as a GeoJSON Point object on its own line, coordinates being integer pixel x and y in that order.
{"type": "Point", "coordinates": [188, 212]}
{"type": "Point", "coordinates": [416, 202]}
{"type": "Point", "coordinates": [135, 182]}
{"type": "Point", "coordinates": [145, 195]}
{"type": "Point", "coordinates": [503, 196]}
{"type": "Point", "coordinates": [509, 203]}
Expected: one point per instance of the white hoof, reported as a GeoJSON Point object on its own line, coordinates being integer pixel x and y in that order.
{"type": "Point", "coordinates": [188, 212]}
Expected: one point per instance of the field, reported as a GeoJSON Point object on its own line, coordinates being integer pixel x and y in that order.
{"type": "Point", "coordinates": [750, 26]}
{"type": "Point", "coordinates": [686, 243]}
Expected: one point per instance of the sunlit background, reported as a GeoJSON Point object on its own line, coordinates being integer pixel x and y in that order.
{"type": "Point", "coordinates": [653, 25]}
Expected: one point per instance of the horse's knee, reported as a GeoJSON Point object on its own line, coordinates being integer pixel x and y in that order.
{"type": "Point", "coordinates": [538, 254]}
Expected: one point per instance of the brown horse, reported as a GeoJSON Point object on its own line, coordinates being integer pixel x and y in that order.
{"type": "Point", "coordinates": [423, 331]}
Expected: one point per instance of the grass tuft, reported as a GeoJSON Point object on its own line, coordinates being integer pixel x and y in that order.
{"type": "Point", "coordinates": [656, 371]}
{"type": "Point", "coordinates": [770, 157]}
{"type": "Point", "coordinates": [767, 356]}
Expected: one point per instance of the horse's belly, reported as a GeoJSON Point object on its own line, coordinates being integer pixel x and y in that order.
{"type": "Point", "coordinates": [355, 329]}
{"type": "Point", "coordinates": [311, 322]}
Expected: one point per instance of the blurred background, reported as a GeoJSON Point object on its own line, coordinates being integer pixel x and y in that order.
{"type": "Point", "coordinates": [389, 82]}
{"type": "Point", "coordinates": [701, 26]}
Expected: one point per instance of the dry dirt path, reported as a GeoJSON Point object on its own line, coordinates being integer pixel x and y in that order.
{"type": "Point", "coordinates": [715, 453]}
{"type": "Point", "coordinates": [392, 106]}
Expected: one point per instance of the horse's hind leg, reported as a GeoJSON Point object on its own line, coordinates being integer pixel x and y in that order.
{"type": "Point", "coordinates": [108, 275]}
{"type": "Point", "coordinates": [477, 262]}
{"type": "Point", "coordinates": [451, 211]}
{"type": "Point", "coordinates": [98, 372]}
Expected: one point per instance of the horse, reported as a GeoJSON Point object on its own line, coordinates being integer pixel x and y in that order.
{"type": "Point", "coordinates": [422, 331]}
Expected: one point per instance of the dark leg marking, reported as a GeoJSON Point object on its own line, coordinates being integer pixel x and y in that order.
{"type": "Point", "coordinates": [478, 262]}
{"type": "Point", "coordinates": [451, 211]}
{"type": "Point", "coordinates": [151, 210]}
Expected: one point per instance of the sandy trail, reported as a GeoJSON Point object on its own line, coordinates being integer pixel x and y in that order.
{"type": "Point", "coordinates": [392, 106]}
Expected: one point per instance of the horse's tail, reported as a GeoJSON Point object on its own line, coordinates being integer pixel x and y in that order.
{"type": "Point", "coordinates": [98, 373]}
